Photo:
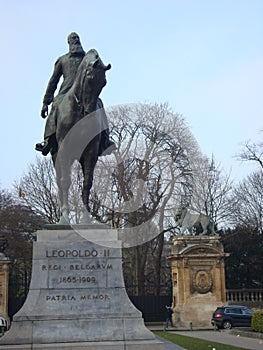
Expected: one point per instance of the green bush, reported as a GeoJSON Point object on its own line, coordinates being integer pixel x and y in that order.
{"type": "Point", "coordinates": [257, 321]}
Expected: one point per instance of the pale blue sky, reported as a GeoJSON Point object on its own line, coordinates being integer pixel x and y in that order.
{"type": "Point", "coordinates": [203, 57]}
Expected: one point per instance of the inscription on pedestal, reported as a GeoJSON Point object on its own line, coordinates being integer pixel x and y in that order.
{"type": "Point", "coordinates": [76, 270]}
{"type": "Point", "coordinates": [76, 253]}
{"type": "Point", "coordinates": [78, 298]}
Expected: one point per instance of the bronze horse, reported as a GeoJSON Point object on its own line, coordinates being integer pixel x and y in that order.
{"type": "Point", "coordinates": [80, 122]}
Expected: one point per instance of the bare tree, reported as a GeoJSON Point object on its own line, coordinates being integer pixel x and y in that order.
{"type": "Point", "coordinates": [37, 189]}
{"type": "Point", "coordinates": [252, 152]}
{"type": "Point", "coordinates": [144, 180]}
{"type": "Point", "coordinates": [17, 226]}
{"type": "Point", "coordinates": [211, 190]}
{"type": "Point", "coordinates": [6, 199]}
{"type": "Point", "coordinates": [246, 204]}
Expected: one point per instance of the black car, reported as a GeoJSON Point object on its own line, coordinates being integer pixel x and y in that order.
{"type": "Point", "coordinates": [232, 316]}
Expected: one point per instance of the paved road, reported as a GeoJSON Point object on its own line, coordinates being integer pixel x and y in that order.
{"type": "Point", "coordinates": [225, 337]}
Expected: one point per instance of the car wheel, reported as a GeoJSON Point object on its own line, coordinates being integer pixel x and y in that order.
{"type": "Point", "coordinates": [227, 325]}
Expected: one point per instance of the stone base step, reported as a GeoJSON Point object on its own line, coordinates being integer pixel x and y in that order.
{"type": "Point", "coordinates": [116, 345]}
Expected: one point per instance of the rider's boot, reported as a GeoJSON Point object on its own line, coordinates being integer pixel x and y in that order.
{"type": "Point", "coordinates": [45, 146]}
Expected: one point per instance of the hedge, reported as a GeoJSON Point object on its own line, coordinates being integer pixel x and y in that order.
{"type": "Point", "coordinates": [257, 321]}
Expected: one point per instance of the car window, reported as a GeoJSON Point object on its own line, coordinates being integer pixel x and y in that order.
{"type": "Point", "coordinates": [219, 310]}
{"type": "Point", "coordinates": [233, 311]}
{"type": "Point", "coordinates": [247, 312]}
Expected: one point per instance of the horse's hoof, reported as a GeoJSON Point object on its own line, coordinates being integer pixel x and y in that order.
{"type": "Point", "coordinates": [86, 218]}
{"type": "Point", "coordinates": [63, 220]}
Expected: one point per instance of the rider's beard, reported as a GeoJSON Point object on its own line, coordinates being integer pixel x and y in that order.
{"type": "Point", "coordinates": [76, 49]}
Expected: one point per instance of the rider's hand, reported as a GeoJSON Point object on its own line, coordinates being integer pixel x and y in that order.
{"type": "Point", "coordinates": [44, 111]}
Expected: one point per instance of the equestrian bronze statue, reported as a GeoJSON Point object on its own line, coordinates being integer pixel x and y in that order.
{"type": "Point", "coordinates": [81, 126]}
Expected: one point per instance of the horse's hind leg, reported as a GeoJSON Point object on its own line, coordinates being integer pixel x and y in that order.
{"type": "Point", "coordinates": [88, 162]}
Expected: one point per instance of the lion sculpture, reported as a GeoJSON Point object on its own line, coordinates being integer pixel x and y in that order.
{"type": "Point", "coordinates": [190, 221]}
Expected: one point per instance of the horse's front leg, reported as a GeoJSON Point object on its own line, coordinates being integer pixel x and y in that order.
{"type": "Point", "coordinates": [64, 207]}
{"type": "Point", "coordinates": [63, 183]}
{"type": "Point", "coordinates": [88, 173]}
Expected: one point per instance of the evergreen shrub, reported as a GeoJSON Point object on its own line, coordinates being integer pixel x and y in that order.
{"type": "Point", "coordinates": [257, 321]}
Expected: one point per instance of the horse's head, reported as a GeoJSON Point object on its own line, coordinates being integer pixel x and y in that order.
{"type": "Point", "coordinates": [90, 80]}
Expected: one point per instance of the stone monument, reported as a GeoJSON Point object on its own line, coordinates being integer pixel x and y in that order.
{"type": "Point", "coordinates": [77, 298]}
{"type": "Point", "coordinates": [198, 278]}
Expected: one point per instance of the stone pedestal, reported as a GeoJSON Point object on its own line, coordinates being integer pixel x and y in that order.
{"type": "Point", "coordinates": [77, 297]}
{"type": "Point", "coordinates": [198, 277]}
{"type": "Point", "coordinates": [4, 277]}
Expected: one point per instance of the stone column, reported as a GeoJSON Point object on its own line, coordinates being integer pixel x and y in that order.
{"type": "Point", "coordinates": [198, 277]}
{"type": "Point", "coordinates": [4, 278]}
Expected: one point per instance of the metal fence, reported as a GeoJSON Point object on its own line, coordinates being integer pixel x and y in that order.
{"type": "Point", "coordinates": [152, 307]}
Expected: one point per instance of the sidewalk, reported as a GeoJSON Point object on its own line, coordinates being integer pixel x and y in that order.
{"type": "Point", "coordinates": [225, 337]}
{"type": "Point", "coordinates": [235, 337]}
{"type": "Point", "coordinates": [169, 345]}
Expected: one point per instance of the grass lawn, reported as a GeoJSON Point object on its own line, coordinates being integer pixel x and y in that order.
{"type": "Point", "coordinates": [194, 343]}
